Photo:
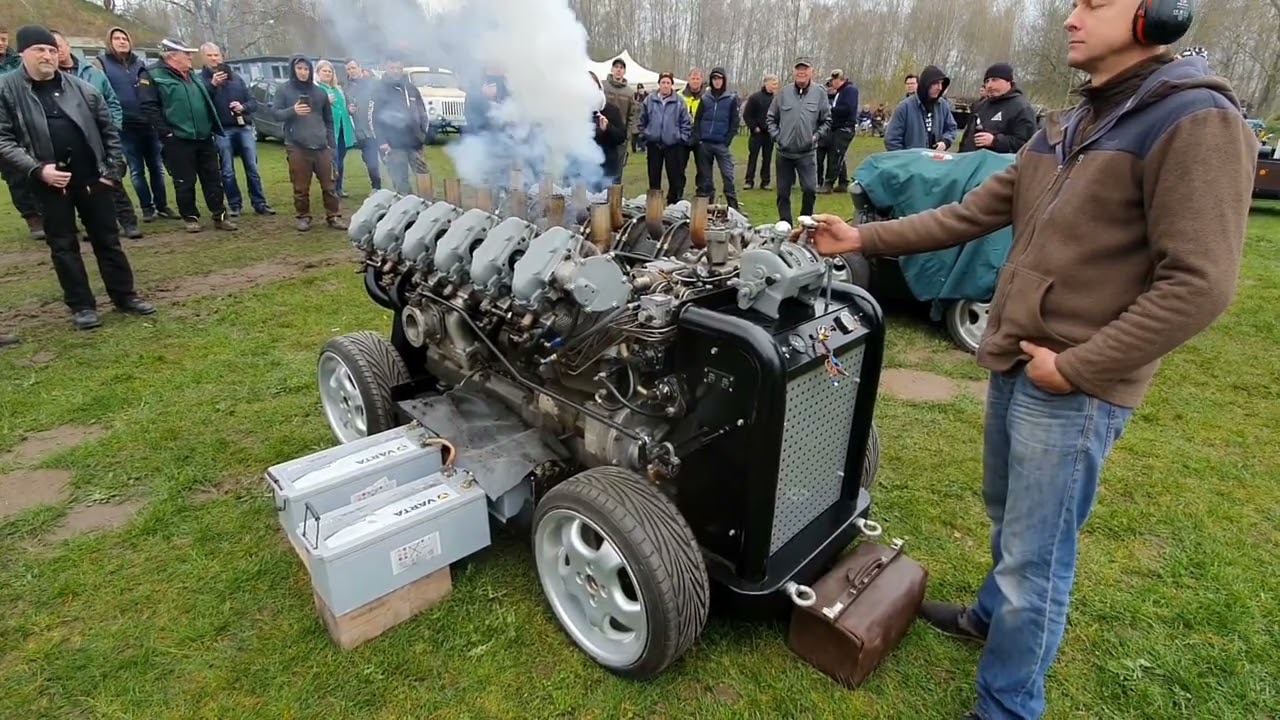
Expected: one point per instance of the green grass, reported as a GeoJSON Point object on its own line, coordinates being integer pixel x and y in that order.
{"type": "Point", "coordinates": [199, 609]}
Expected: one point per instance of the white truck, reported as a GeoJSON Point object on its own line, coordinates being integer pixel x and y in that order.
{"type": "Point", "coordinates": [444, 98]}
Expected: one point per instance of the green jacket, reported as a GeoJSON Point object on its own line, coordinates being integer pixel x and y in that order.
{"type": "Point", "coordinates": [341, 115]}
{"type": "Point", "coordinates": [95, 77]}
{"type": "Point", "coordinates": [177, 105]}
{"type": "Point", "coordinates": [10, 61]}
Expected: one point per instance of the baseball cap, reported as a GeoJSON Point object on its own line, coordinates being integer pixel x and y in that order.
{"type": "Point", "coordinates": [172, 45]}
{"type": "Point", "coordinates": [837, 74]}
{"type": "Point", "coordinates": [804, 60]}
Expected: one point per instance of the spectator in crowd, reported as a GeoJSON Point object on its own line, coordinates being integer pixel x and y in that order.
{"type": "Point", "coordinates": [57, 130]}
{"type": "Point", "coordinates": [716, 124]}
{"type": "Point", "coordinates": [142, 148]}
{"type": "Point", "coordinates": [799, 117]}
{"type": "Point", "coordinates": [760, 142]}
{"type": "Point", "coordinates": [637, 145]}
{"type": "Point", "coordinates": [910, 83]}
{"type": "Point", "coordinates": [359, 93]}
{"type": "Point", "coordinates": [665, 125]}
{"type": "Point", "coordinates": [305, 110]}
{"type": "Point", "coordinates": [1137, 253]}
{"type": "Point", "coordinates": [692, 96]}
{"type": "Point", "coordinates": [236, 108]}
{"type": "Point", "coordinates": [923, 120]}
{"type": "Point", "coordinates": [610, 134]}
{"type": "Point", "coordinates": [400, 123]}
{"type": "Point", "coordinates": [1003, 121]}
{"type": "Point", "coordinates": [844, 125]}
{"type": "Point", "coordinates": [70, 64]}
{"type": "Point", "coordinates": [20, 187]}
{"type": "Point", "coordinates": [621, 97]}
{"type": "Point", "coordinates": [344, 130]}
{"type": "Point", "coordinates": [182, 112]}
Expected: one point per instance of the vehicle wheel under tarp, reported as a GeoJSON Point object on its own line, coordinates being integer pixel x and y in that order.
{"type": "Point", "coordinates": [966, 322]}
{"type": "Point", "coordinates": [621, 569]}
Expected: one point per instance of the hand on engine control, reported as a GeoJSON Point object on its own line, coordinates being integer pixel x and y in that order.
{"type": "Point", "coordinates": [834, 236]}
{"type": "Point", "coordinates": [1042, 370]}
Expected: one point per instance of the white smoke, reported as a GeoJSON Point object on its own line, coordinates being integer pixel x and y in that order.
{"type": "Point", "coordinates": [538, 47]}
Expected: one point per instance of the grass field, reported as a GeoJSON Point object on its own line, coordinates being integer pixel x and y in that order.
{"type": "Point", "coordinates": [195, 607]}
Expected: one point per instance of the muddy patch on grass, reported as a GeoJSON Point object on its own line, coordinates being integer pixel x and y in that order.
{"type": "Point", "coordinates": [223, 488]}
{"type": "Point", "coordinates": [44, 357]}
{"type": "Point", "coordinates": [89, 518]}
{"type": "Point", "coordinates": [921, 386]}
{"type": "Point", "coordinates": [26, 489]}
{"type": "Point", "coordinates": [176, 290]}
{"type": "Point", "coordinates": [39, 445]}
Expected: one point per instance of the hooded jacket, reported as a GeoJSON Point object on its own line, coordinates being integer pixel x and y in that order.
{"type": "Point", "coordinates": [717, 119]}
{"type": "Point", "coordinates": [1129, 214]}
{"type": "Point", "coordinates": [918, 121]}
{"type": "Point", "coordinates": [313, 131]}
{"type": "Point", "coordinates": [1008, 117]}
{"type": "Point", "coordinates": [123, 73]}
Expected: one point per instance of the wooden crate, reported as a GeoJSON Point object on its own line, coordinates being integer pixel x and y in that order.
{"type": "Point", "coordinates": [371, 620]}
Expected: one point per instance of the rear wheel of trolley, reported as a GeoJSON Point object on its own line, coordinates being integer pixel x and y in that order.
{"type": "Point", "coordinates": [355, 374]}
{"type": "Point", "coordinates": [621, 569]}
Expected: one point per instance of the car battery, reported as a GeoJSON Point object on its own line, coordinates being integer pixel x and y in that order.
{"type": "Point", "coordinates": [351, 472]}
{"type": "Point", "coordinates": [359, 553]}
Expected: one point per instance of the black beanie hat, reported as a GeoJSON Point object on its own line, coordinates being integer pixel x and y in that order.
{"type": "Point", "coordinates": [31, 35]}
{"type": "Point", "coordinates": [999, 71]}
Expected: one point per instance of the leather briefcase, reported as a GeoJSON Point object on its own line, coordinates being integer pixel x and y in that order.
{"type": "Point", "coordinates": [861, 609]}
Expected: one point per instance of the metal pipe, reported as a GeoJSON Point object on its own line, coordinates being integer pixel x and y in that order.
{"type": "Point", "coordinates": [453, 191]}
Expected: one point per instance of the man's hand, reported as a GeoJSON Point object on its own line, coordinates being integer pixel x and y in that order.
{"type": "Point", "coordinates": [384, 148]}
{"type": "Point", "coordinates": [834, 236]}
{"type": "Point", "coordinates": [602, 121]}
{"type": "Point", "coordinates": [301, 109]}
{"type": "Point", "coordinates": [984, 139]}
{"type": "Point", "coordinates": [941, 147]}
{"type": "Point", "coordinates": [107, 181]}
{"type": "Point", "coordinates": [219, 78]}
{"type": "Point", "coordinates": [54, 177]}
{"type": "Point", "coordinates": [236, 106]}
{"type": "Point", "coordinates": [1043, 370]}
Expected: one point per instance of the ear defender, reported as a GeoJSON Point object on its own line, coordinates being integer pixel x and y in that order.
{"type": "Point", "coordinates": [1161, 22]}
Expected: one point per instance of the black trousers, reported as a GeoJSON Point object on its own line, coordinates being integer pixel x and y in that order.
{"type": "Point", "coordinates": [760, 144]}
{"type": "Point", "coordinates": [191, 160]}
{"type": "Point", "coordinates": [21, 191]}
{"type": "Point", "coordinates": [831, 166]}
{"type": "Point", "coordinates": [95, 205]}
{"type": "Point", "coordinates": [806, 169]}
{"type": "Point", "coordinates": [674, 158]}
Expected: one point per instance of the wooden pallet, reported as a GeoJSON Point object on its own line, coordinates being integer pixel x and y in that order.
{"type": "Point", "coordinates": [374, 618]}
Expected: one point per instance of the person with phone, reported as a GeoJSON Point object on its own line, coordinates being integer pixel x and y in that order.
{"type": "Point", "coordinates": [236, 109]}
{"type": "Point", "coordinates": [304, 108]}
{"type": "Point", "coordinates": [57, 130]}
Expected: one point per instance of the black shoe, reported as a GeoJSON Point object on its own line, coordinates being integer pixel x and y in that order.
{"type": "Point", "coordinates": [952, 619]}
{"type": "Point", "coordinates": [7, 340]}
{"type": "Point", "coordinates": [265, 210]}
{"type": "Point", "coordinates": [148, 216]}
{"type": "Point", "coordinates": [167, 214]}
{"type": "Point", "coordinates": [132, 232]}
{"type": "Point", "coordinates": [86, 319]}
{"type": "Point", "coordinates": [234, 212]}
{"type": "Point", "coordinates": [748, 185]}
{"type": "Point", "coordinates": [136, 306]}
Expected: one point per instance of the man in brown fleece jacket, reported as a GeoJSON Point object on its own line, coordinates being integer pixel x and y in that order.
{"type": "Point", "coordinates": [1129, 214]}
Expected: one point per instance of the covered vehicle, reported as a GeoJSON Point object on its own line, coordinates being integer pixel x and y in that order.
{"type": "Point", "coordinates": [958, 281]}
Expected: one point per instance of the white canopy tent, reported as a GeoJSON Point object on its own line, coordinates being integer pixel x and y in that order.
{"type": "Point", "coordinates": [637, 74]}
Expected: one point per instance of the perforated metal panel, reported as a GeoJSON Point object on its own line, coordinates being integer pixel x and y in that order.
{"type": "Point", "coordinates": [815, 440]}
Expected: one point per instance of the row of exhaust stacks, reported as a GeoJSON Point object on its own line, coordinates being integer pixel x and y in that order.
{"type": "Point", "coordinates": [601, 222]}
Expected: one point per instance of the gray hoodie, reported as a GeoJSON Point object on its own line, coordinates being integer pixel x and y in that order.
{"type": "Point", "coordinates": [797, 119]}
{"type": "Point", "coordinates": [313, 131]}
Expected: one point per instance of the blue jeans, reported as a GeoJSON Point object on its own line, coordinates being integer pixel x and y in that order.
{"type": "Point", "coordinates": [1042, 456]}
{"type": "Point", "coordinates": [340, 160]}
{"type": "Point", "coordinates": [240, 141]}
{"type": "Point", "coordinates": [142, 151]}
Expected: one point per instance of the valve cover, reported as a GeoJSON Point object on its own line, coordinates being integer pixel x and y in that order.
{"type": "Point", "coordinates": [453, 252]}
{"type": "Point", "coordinates": [420, 239]}
{"type": "Point", "coordinates": [365, 220]}
{"type": "Point", "coordinates": [389, 233]}
{"type": "Point", "coordinates": [494, 261]}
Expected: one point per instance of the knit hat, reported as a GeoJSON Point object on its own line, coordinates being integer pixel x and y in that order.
{"type": "Point", "coordinates": [1000, 71]}
{"type": "Point", "coordinates": [32, 35]}
{"type": "Point", "coordinates": [666, 75]}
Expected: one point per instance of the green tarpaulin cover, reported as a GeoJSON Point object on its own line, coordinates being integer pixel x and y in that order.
{"type": "Point", "coordinates": [911, 181]}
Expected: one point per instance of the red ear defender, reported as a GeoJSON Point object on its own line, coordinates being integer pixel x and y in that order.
{"type": "Point", "coordinates": [1161, 22]}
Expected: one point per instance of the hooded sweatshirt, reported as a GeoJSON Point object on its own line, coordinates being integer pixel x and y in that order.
{"type": "Point", "coordinates": [1129, 213]}
{"type": "Point", "coordinates": [123, 73]}
{"type": "Point", "coordinates": [716, 120]}
{"type": "Point", "coordinates": [313, 131]}
{"type": "Point", "coordinates": [922, 122]}
{"type": "Point", "coordinates": [620, 95]}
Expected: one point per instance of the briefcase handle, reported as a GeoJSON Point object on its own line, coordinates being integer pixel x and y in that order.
{"type": "Point", "coordinates": [859, 580]}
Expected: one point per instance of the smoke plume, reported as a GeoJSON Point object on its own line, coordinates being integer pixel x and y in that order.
{"type": "Point", "coordinates": [539, 50]}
